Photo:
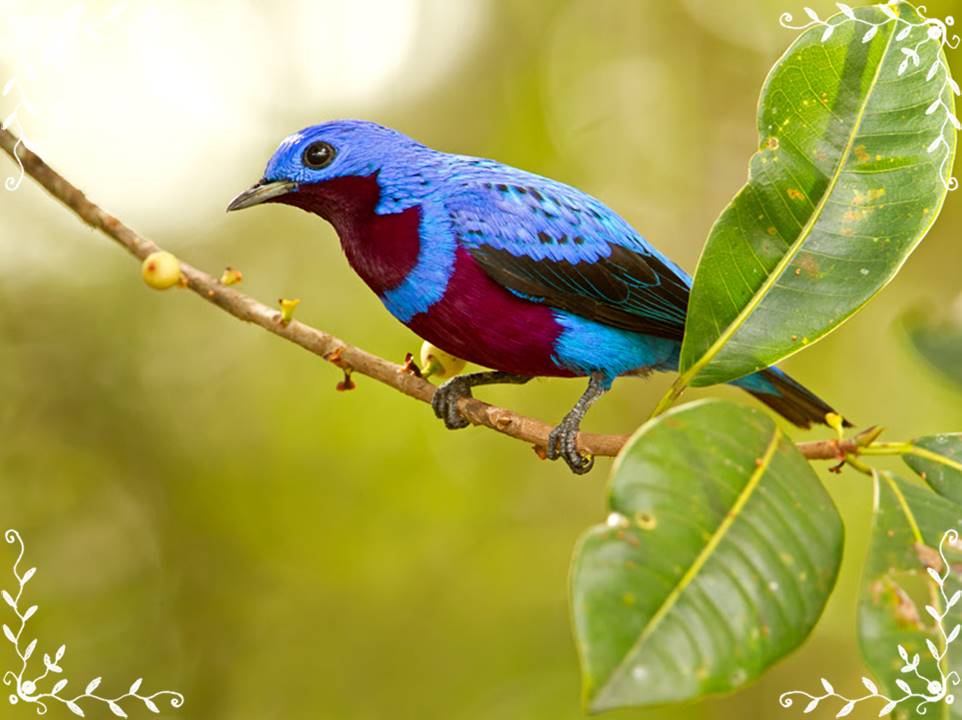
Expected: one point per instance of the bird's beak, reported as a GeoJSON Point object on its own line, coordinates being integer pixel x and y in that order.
{"type": "Point", "coordinates": [261, 192]}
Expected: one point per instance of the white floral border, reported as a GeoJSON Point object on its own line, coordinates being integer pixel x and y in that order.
{"type": "Point", "coordinates": [27, 690]}
{"type": "Point", "coordinates": [936, 689]}
{"type": "Point", "coordinates": [938, 32]}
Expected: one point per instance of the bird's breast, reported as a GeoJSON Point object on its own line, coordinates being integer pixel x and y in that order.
{"type": "Point", "coordinates": [439, 290]}
{"type": "Point", "coordinates": [478, 320]}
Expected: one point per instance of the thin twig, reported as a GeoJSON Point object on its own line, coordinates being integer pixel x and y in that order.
{"type": "Point", "coordinates": [320, 343]}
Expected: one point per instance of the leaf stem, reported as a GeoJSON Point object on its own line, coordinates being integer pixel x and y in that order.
{"type": "Point", "coordinates": [887, 448]}
{"type": "Point", "coordinates": [672, 395]}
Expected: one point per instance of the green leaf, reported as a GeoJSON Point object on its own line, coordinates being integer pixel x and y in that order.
{"type": "Point", "coordinates": [908, 526]}
{"type": "Point", "coordinates": [840, 192]}
{"type": "Point", "coordinates": [938, 338]}
{"type": "Point", "coordinates": [938, 460]}
{"type": "Point", "coordinates": [720, 551]}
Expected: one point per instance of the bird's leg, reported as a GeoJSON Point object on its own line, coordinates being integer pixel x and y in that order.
{"type": "Point", "coordinates": [445, 400]}
{"type": "Point", "coordinates": [561, 441]}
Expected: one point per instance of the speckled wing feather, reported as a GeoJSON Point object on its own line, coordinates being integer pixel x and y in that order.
{"type": "Point", "coordinates": [553, 244]}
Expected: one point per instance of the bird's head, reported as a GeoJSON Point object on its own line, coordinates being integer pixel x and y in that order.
{"type": "Point", "coordinates": [324, 168]}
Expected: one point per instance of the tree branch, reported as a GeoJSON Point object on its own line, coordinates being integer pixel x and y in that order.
{"type": "Point", "coordinates": [321, 343]}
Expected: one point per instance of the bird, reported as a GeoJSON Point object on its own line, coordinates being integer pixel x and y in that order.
{"type": "Point", "coordinates": [515, 272]}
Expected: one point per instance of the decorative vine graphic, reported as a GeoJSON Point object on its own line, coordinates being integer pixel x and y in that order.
{"type": "Point", "coordinates": [936, 31]}
{"type": "Point", "coordinates": [12, 120]}
{"type": "Point", "coordinates": [27, 689]}
{"type": "Point", "coordinates": [936, 689]}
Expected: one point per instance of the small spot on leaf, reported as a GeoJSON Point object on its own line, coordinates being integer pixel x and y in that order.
{"type": "Point", "coordinates": [929, 557]}
{"type": "Point", "coordinates": [646, 521]}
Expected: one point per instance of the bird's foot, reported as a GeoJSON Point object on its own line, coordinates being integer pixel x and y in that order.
{"type": "Point", "coordinates": [445, 403]}
{"type": "Point", "coordinates": [561, 443]}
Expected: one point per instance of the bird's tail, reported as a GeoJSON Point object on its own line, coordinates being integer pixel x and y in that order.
{"type": "Point", "coordinates": [790, 399]}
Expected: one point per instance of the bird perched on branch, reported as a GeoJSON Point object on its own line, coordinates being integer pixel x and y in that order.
{"type": "Point", "coordinates": [501, 267]}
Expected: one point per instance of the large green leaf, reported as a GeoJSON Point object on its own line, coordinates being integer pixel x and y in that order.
{"type": "Point", "coordinates": [938, 460]}
{"type": "Point", "coordinates": [908, 528]}
{"type": "Point", "coordinates": [938, 338]}
{"type": "Point", "coordinates": [720, 551]}
{"type": "Point", "coordinates": [842, 189]}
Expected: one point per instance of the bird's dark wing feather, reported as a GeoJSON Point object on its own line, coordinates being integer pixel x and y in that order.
{"type": "Point", "coordinates": [555, 245]}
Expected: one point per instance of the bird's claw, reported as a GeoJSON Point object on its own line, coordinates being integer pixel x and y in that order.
{"type": "Point", "coordinates": [445, 403]}
{"type": "Point", "coordinates": [561, 443]}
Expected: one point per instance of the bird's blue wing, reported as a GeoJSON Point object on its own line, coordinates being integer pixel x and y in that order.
{"type": "Point", "coordinates": [553, 244]}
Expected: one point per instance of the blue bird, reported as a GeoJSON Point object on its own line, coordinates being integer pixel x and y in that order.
{"type": "Point", "coordinates": [504, 268]}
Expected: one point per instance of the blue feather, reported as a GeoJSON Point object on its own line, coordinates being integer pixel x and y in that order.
{"type": "Point", "coordinates": [623, 351]}
{"type": "Point", "coordinates": [545, 240]}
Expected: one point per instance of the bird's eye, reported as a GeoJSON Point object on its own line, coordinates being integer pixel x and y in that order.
{"type": "Point", "coordinates": [319, 155]}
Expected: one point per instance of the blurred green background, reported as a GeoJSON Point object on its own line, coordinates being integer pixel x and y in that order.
{"type": "Point", "coordinates": [205, 510]}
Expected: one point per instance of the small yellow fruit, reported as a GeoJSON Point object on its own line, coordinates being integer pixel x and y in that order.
{"type": "Point", "coordinates": [161, 270]}
{"type": "Point", "coordinates": [435, 362]}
